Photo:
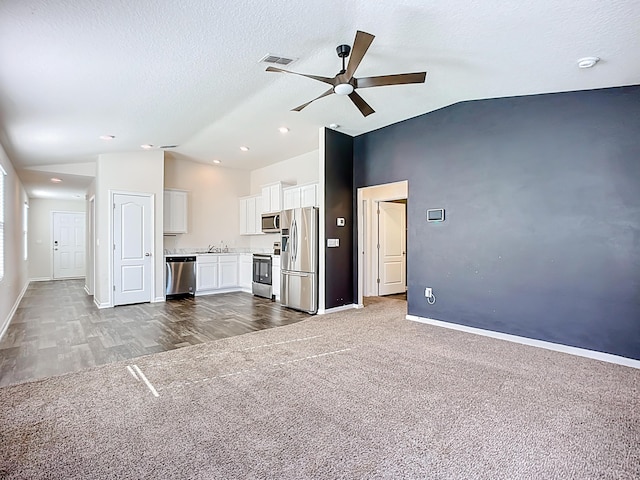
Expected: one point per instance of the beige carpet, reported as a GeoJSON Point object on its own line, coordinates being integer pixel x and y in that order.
{"type": "Point", "coordinates": [361, 394]}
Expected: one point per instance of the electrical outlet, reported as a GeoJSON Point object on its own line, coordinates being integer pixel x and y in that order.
{"type": "Point", "coordinates": [428, 292]}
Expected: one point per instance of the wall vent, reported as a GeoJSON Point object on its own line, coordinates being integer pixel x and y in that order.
{"type": "Point", "coordinates": [276, 59]}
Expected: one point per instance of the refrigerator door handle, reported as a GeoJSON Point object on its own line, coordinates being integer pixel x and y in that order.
{"type": "Point", "coordinates": [294, 240]}
{"type": "Point", "coordinates": [295, 274]}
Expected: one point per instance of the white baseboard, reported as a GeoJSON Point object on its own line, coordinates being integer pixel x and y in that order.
{"type": "Point", "coordinates": [158, 299]}
{"type": "Point", "coordinates": [101, 305]}
{"type": "Point", "coordinates": [41, 279]}
{"type": "Point", "coordinates": [558, 347]}
{"type": "Point", "coordinates": [86, 289]}
{"type": "Point", "coordinates": [215, 292]}
{"type": "Point", "coordinates": [338, 309]}
{"type": "Point", "coordinates": [12, 312]}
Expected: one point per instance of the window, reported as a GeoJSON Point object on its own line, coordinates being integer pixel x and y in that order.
{"type": "Point", "coordinates": [2, 177]}
{"type": "Point", "coordinates": [25, 230]}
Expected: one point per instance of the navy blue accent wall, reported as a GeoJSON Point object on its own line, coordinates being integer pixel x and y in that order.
{"type": "Point", "coordinates": [338, 201]}
{"type": "Point", "coordinates": [542, 200]}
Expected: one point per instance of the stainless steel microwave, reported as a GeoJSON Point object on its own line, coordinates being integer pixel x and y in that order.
{"type": "Point", "coordinates": [271, 222]}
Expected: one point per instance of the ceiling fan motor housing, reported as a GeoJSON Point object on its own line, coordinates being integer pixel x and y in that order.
{"type": "Point", "coordinates": [343, 50]}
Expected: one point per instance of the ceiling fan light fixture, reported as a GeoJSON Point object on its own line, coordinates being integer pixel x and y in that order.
{"type": "Point", "coordinates": [343, 89]}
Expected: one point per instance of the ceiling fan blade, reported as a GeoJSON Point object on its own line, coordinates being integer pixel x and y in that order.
{"type": "Point", "coordinates": [359, 102]}
{"type": "Point", "coordinates": [399, 79]}
{"type": "Point", "coordinates": [330, 81]}
{"type": "Point", "coordinates": [297, 109]}
{"type": "Point", "coordinates": [360, 46]}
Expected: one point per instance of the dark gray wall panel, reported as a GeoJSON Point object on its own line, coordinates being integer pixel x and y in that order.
{"type": "Point", "coordinates": [542, 199]}
{"type": "Point", "coordinates": [338, 201]}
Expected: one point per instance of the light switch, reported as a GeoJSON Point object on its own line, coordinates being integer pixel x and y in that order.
{"type": "Point", "coordinates": [333, 242]}
{"type": "Point", "coordinates": [340, 221]}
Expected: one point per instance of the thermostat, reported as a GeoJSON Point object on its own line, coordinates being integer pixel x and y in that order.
{"type": "Point", "coordinates": [435, 215]}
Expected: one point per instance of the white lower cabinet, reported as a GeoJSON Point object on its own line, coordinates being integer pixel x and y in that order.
{"type": "Point", "coordinates": [275, 276]}
{"type": "Point", "coordinates": [206, 275]}
{"type": "Point", "coordinates": [228, 271]}
{"type": "Point", "coordinates": [246, 271]}
{"type": "Point", "coordinates": [216, 272]}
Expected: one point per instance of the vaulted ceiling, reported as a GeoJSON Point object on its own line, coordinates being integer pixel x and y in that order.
{"type": "Point", "coordinates": [188, 72]}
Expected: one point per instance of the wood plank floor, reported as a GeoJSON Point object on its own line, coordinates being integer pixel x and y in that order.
{"type": "Point", "coordinates": [58, 329]}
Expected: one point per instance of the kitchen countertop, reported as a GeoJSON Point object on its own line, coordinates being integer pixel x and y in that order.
{"type": "Point", "coordinates": [183, 253]}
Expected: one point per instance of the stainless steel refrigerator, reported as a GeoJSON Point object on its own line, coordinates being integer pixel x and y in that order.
{"type": "Point", "coordinates": [299, 259]}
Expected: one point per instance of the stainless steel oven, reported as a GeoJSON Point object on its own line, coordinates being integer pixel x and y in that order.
{"type": "Point", "coordinates": [262, 282]}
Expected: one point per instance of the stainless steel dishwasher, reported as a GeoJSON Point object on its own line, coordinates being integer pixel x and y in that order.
{"type": "Point", "coordinates": [181, 275]}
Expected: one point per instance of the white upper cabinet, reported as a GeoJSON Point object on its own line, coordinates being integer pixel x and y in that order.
{"type": "Point", "coordinates": [300, 196]}
{"type": "Point", "coordinates": [250, 215]}
{"type": "Point", "coordinates": [175, 211]}
{"type": "Point", "coordinates": [272, 197]}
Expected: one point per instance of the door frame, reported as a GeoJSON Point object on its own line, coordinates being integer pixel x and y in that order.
{"type": "Point", "coordinates": [367, 224]}
{"type": "Point", "coordinates": [151, 197]}
{"type": "Point", "coordinates": [90, 277]}
{"type": "Point", "coordinates": [51, 235]}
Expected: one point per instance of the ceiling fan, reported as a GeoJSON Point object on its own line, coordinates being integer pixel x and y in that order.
{"type": "Point", "coordinates": [344, 83]}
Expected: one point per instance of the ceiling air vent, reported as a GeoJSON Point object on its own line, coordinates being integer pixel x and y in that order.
{"type": "Point", "coordinates": [276, 59]}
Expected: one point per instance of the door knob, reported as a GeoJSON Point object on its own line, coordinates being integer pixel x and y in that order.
{"type": "Point", "coordinates": [147, 254]}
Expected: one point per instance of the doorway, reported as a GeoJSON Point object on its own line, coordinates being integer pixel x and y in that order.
{"type": "Point", "coordinates": [68, 235]}
{"type": "Point", "coordinates": [392, 247]}
{"type": "Point", "coordinates": [132, 247]}
{"type": "Point", "coordinates": [369, 258]}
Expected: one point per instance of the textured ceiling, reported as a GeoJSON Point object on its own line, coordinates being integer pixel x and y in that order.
{"type": "Point", "coordinates": [187, 72]}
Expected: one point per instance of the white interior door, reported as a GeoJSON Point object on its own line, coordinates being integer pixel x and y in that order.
{"type": "Point", "coordinates": [68, 245]}
{"type": "Point", "coordinates": [392, 248]}
{"type": "Point", "coordinates": [132, 244]}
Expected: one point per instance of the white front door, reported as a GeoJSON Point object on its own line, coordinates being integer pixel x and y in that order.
{"type": "Point", "coordinates": [392, 248]}
{"type": "Point", "coordinates": [132, 243]}
{"type": "Point", "coordinates": [68, 245]}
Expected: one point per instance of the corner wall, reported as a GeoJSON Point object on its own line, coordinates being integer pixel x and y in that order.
{"type": "Point", "coordinates": [15, 279]}
{"type": "Point", "coordinates": [542, 230]}
{"type": "Point", "coordinates": [339, 198]}
{"type": "Point", "coordinates": [135, 172]}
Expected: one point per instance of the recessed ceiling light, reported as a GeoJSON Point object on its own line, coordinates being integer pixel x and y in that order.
{"type": "Point", "coordinates": [244, 149]}
{"type": "Point", "coordinates": [107, 137]}
{"type": "Point", "coordinates": [146, 146]}
{"type": "Point", "coordinates": [283, 129]}
{"type": "Point", "coordinates": [55, 180]}
{"type": "Point", "coordinates": [588, 62]}
{"type": "Point", "coordinates": [217, 161]}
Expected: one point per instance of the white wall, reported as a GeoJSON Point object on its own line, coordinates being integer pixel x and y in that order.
{"type": "Point", "coordinates": [40, 251]}
{"type": "Point", "coordinates": [296, 171]}
{"type": "Point", "coordinates": [135, 172]}
{"type": "Point", "coordinates": [213, 216]}
{"type": "Point", "coordinates": [15, 279]}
